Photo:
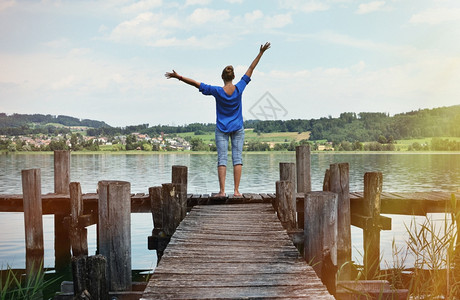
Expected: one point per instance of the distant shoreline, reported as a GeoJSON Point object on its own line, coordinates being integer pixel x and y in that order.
{"type": "Point", "coordinates": [138, 152]}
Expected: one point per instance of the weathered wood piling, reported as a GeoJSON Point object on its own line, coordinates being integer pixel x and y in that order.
{"type": "Point", "coordinates": [320, 232]}
{"type": "Point", "coordinates": [114, 232]}
{"type": "Point", "coordinates": [33, 222]}
{"type": "Point", "coordinates": [78, 233]}
{"type": "Point", "coordinates": [339, 184]}
{"type": "Point", "coordinates": [61, 186]}
{"type": "Point", "coordinates": [89, 277]}
{"type": "Point", "coordinates": [169, 208]}
{"type": "Point", "coordinates": [373, 182]}
{"type": "Point", "coordinates": [303, 167]}
{"type": "Point", "coordinates": [285, 205]}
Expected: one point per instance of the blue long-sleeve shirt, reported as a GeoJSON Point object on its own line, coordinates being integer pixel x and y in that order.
{"type": "Point", "coordinates": [229, 109]}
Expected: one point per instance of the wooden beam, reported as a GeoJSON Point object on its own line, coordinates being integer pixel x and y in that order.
{"type": "Point", "coordinates": [362, 222]}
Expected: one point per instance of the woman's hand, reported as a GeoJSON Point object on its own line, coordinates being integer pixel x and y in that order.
{"type": "Point", "coordinates": [189, 81]}
{"type": "Point", "coordinates": [264, 47]}
{"type": "Point", "coordinates": [172, 75]}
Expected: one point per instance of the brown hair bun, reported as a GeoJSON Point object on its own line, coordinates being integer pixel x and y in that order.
{"type": "Point", "coordinates": [228, 74]}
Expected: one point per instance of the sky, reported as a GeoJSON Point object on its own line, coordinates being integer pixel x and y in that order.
{"type": "Point", "coordinates": [106, 60]}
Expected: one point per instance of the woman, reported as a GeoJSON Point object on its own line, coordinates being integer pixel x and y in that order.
{"type": "Point", "coordinates": [229, 121]}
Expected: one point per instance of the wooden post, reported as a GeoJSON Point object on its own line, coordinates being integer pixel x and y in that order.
{"type": "Point", "coordinates": [79, 275]}
{"type": "Point", "coordinates": [179, 174]}
{"type": "Point", "coordinates": [303, 163]}
{"type": "Point", "coordinates": [339, 184]}
{"type": "Point", "coordinates": [288, 172]}
{"type": "Point", "coordinates": [61, 232]}
{"type": "Point", "coordinates": [89, 277]}
{"type": "Point", "coordinates": [179, 177]}
{"type": "Point", "coordinates": [285, 206]}
{"type": "Point", "coordinates": [114, 232]}
{"type": "Point", "coordinates": [61, 171]}
{"type": "Point", "coordinates": [172, 209]}
{"type": "Point", "coordinates": [33, 222]}
{"type": "Point", "coordinates": [156, 206]}
{"type": "Point", "coordinates": [97, 287]}
{"type": "Point", "coordinates": [276, 200]}
{"type": "Point", "coordinates": [158, 240]}
{"type": "Point", "coordinates": [320, 231]}
{"type": "Point", "coordinates": [373, 182]}
{"type": "Point", "coordinates": [326, 181]}
{"type": "Point", "coordinates": [78, 234]}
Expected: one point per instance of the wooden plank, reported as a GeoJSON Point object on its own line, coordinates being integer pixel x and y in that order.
{"type": "Point", "coordinates": [233, 251]}
{"type": "Point", "coordinates": [238, 293]}
{"type": "Point", "coordinates": [222, 280]}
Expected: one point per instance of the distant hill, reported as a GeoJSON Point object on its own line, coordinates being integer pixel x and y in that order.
{"type": "Point", "coordinates": [375, 126]}
{"type": "Point", "coordinates": [349, 126]}
{"type": "Point", "coordinates": [37, 120]}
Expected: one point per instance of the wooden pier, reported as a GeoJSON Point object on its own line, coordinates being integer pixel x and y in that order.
{"type": "Point", "coordinates": [288, 244]}
{"type": "Point", "coordinates": [232, 252]}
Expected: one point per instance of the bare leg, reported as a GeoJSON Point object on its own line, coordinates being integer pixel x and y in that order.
{"type": "Point", "coordinates": [236, 178]}
{"type": "Point", "coordinates": [221, 172]}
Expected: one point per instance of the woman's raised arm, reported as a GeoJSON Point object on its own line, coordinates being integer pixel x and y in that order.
{"type": "Point", "coordinates": [256, 60]}
{"type": "Point", "coordinates": [189, 81]}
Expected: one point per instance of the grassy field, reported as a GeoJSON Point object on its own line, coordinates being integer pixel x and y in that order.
{"type": "Point", "coordinates": [403, 145]}
{"type": "Point", "coordinates": [250, 135]}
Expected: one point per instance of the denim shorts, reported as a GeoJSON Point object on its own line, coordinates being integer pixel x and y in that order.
{"type": "Point", "coordinates": [237, 138]}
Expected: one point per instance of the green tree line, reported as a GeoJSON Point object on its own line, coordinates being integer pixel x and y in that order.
{"type": "Point", "coordinates": [366, 127]}
{"type": "Point", "coordinates": [20, 120]}
{"type": "Point", "coordinates": [348, 127]}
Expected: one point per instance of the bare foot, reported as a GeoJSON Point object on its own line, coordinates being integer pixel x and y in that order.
{"type": "Point", "coordinates": [237, 194]}
{"type": "Point", "coordinates": [220, 195]}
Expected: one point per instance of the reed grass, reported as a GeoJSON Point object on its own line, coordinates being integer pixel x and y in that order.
{"type": "Point", "coordinates": [433, 251]}
{"type": "Point", "coordinates": [14, 285]}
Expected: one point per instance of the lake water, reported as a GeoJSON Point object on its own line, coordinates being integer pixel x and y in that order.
{"type": "Point", "coordinates": [402, 172]}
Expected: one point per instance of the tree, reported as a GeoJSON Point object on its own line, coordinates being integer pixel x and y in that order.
{"type": "Point", "coordinates": [358, 146]}
{"type": "Point", "coordinates": [382, 139]}
{"type": "Point", "coordinates": [58, 145]}
{"type": "Point", "coordinates": [74, 142]}
{"type": "Point", "coordinates": [4, 144]}
{"type": "Point", "coordinates": [131, 142]}
{"type": "Point", "coordinates": [197, 144]}
{"type": "Point", "coordinates": [146, 147]}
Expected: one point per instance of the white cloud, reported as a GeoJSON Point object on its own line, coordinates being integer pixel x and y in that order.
{"type": "Point", "coordinates": [253, 16]}
{"type": "Point", "coordinates": [436, 16]}
{"type": "Point", "coordinates": [207, 42]}
{"type": "Point", "coordinates": [370, 7]}
{"type": "Point", "coordinates": [5, 4]}
{"type": "Point", "coordinates": [160, 30]}
{"type": "Point", "coordinates": [142, 6]}
{"type": "Point", "coordinates": [59, 43]}
{"type": "Point", "coordinates": [197, 2]}
{"type": "Point", "coordinates": [206, 15]}
{"type": "Point", "coordinates": [63, 83]}
{"type": "Point", "coordinates": [234, 1]}
{"type": "Point", "coordinates": [172, 22]}
{"type": "Point", "coordinates": [80, 51]}
{"type": "Point", "coordinates": [143, 28]}
{"type": "Point", "coordinates": [278, 21]}
{"type": "Point", "coordinates": [394, 89]}
{"type": "Point", "coordinates": [304, 6]}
